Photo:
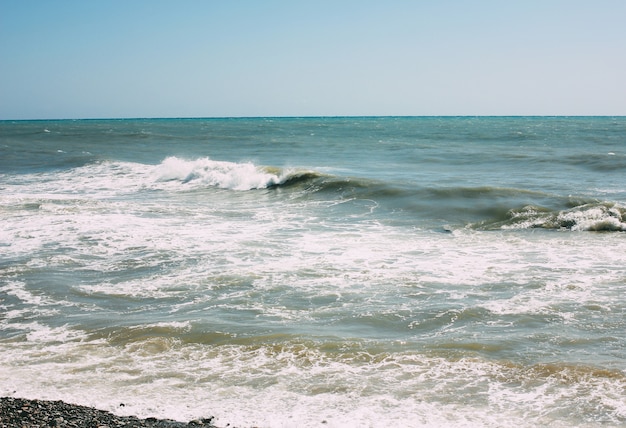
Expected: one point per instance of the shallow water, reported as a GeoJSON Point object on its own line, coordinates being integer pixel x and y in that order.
{"type": "Point", "coordinates": [289, 272]}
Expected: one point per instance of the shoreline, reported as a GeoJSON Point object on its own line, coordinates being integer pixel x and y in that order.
{"type": "Point", "coordinates": [21, 412]}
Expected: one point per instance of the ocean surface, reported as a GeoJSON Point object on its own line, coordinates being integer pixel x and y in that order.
{"type": "Point", "coordinates": [318, 272]}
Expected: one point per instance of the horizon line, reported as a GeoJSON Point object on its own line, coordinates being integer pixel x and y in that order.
{"type": "Point", "coordinates": [318, 117]}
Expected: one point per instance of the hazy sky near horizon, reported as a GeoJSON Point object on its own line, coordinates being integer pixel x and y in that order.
{"type": "Point", "coordinates": [207, 58]}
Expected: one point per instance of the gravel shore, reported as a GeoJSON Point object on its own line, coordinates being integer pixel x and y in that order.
{"type": "Point", "coordinates": [22, 413]}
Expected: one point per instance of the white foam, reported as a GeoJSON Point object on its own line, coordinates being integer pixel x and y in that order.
{"type": "Point", "coordinates": [293, 385]}
{"type": "Point", "coordinates": [259, 253]}
{"type": "Point", "coordinates": [592, 217]}
{"type": "Point", "coordinates": [207, 172]}
{"type": "Point", "coordinates": [596, 218]}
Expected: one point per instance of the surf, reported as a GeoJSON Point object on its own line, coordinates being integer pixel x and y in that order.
{"type": "Point", "coordinates": [206, 172]}
{"type": "Point", "coordinates": [602, 216]}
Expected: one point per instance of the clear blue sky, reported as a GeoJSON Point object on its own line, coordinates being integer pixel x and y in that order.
{"type": "Point", "coordinates": [202, 58]}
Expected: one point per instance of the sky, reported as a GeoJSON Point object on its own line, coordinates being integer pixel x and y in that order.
{"type": "Point", "coordinates": [73, 59]}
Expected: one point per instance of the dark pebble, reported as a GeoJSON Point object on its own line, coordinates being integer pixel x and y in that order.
{"type": "Point", "coordinates": [22, 413]}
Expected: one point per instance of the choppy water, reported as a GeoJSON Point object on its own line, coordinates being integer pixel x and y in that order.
{"type": "Point", "coordinates": [318, 271]}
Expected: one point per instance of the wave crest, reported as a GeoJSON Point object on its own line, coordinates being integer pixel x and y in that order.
{"type": "Point", "coordinates": [600, 216]}
{"type": "Point", "coordinates": [227, 175]}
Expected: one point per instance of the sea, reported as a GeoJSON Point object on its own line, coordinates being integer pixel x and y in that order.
{"type": "Point", "coordinates": [318, 272]}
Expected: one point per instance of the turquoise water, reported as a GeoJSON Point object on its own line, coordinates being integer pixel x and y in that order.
{"type": "Point", "coordinates": [291, 271]}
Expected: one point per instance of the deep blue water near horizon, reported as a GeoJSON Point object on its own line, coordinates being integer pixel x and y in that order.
{"type": "Point", "coordinates": [345, 271]}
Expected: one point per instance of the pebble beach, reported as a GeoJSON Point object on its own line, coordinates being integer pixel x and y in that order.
{"type": "Point", "coordinates": [18, 412]}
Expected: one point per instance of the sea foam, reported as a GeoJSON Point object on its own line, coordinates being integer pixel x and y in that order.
{"type": "Point", "coordinates": [588, 217]}
{"type": "Point", "coordinates": [222, 174]}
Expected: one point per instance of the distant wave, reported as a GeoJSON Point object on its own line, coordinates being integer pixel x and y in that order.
{"type": "Point", "coordinates": [602, 162]}
{"type": "Point", "coordinates": [482, 192]}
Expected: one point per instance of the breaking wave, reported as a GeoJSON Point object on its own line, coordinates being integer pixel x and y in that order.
{"type": "Point", "coordinates": [598, 216]}
{"type": "Point", "coordinates": [228, 175]}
